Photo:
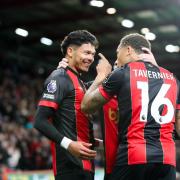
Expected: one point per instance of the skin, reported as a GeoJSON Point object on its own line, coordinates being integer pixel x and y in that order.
{"type": "Point", "coordinates": [125, 55]}
{"type": "Point", "coordinates": [93, 100]}
{"type": "Point", "coordinates": [81, 57]}
{"type": "Point", "coordinates": [81, 150]}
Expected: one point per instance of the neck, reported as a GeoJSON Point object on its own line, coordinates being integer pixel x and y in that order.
{"type": "Point", "coordinates": [133, 57]}
{"type": "Point", "coordinates": [71, 64]}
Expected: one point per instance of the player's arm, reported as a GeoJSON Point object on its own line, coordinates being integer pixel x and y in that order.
{"type": "Point", "coordinates": [47, 108]}
{"type": "Point", "coordinates": [64, 63]}
{"type": "Point", "coordinates": [45, 126]}
{"type": "Point", "coordinates": [42, 123]}
{"type": "Point", "coordinates": [48, 105]}
{"type": "Point", "coordinates": [93, 99]}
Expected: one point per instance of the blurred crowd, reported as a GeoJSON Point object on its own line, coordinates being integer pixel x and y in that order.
{"type": "Point", "coordinates": [21, 146]}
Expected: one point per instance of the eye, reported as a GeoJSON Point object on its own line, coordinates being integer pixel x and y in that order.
{"type": "Point", "coordinates": [86, 52]}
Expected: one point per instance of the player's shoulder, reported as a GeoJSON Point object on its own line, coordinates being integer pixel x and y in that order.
{"type": "Point", "coordinates": [120, 69]}
{"type": "Point", "coordinates": [59, 72]}
{"type": "Point", "coordinates": [134, 63]}
{"type": "Point", "coordinates": [118, 72]}
{"type": "Point", "coordinates": [162, 69]}
{"type": "Point", "coordinates": [166, 71]}
{"type": "Point", "coordinates": [59, 75]}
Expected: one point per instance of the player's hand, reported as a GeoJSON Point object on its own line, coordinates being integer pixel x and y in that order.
{"type": "Point", "coordinates": [63, 63]}
{"type": "Point", "coordinates": [104, 67]}
{"type": "Point", "coordinates": [148, 56]}
{"type": "Point", "coordinates": [81, 150]}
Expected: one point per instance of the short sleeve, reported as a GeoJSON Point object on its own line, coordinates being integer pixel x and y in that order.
{"type": "Point", "coordinates": [112, 84]}
{"type": "Point", "coordinates": [55, 89]}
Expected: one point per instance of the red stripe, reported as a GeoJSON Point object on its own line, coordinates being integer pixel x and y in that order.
{"type": "Point", "coordinates": [178, 106]}
{"type": "Point", "coordinates": [104, 93]}
{"type": "Point", "coordinates": [136, 150]}
{"type": "Point", "coordinates": [53, 151]}
{"type": "Point", "coordinates": [168, 145]}
{"type": "Point", "coordinates": [48, 104]}
{"type": "Point", "coordinates": [82, 123]}
{"type": "Point", "coordinates": [111, 133]}
{"type": "Point", "coordinates": [87, 165]}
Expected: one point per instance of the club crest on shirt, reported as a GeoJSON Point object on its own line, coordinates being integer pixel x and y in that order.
{"type": "Point", "coordinates": [52, 87]}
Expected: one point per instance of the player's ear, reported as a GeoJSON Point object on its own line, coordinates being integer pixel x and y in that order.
{"type": "Point", "coordinates": [69, 51]}
{"type": "Point", "coordinates": [130, 50]}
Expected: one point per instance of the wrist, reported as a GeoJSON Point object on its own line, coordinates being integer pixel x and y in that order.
{"type": "Point", "coordinates": [65, 142]}
{"type": "Point", "coordinates": [100, 78]}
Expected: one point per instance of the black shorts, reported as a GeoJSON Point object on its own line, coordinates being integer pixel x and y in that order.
{"type": "Point", "coordinates": [151, 171]}
{"type": "Point", "coordinates": [75, 175]}
{"type": "Point", "coordinates": [107, 176]}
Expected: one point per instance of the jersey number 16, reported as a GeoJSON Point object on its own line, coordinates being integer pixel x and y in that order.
{"type": "Point", "coordinates": [158, 101]}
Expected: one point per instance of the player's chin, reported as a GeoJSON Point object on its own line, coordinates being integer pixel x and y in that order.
{"type": "Point", "coordinates": [85, 69]}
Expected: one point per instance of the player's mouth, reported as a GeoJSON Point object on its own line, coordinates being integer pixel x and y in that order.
{"type": "Point", "coordinates": [87, 63]}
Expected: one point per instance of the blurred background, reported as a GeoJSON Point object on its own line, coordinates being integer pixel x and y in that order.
{"type": "Point", "coordinates": [30, 35]}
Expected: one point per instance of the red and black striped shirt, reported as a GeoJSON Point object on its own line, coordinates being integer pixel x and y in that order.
{"type": "Point", "coordinates": [108, 116]}
{"type": "Point", "coordinates": [148, 97]}
{"type": "Point", "coordinates": [63, 91]}
{"type": "Point", "coordinates": [109, 122]}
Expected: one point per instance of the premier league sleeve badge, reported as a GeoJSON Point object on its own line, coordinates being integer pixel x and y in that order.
{"type": "Point", "coordinates": [52, 87]}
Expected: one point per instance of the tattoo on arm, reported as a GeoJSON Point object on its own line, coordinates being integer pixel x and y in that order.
{"type": "Point", "coordinates": [93, 99]}
{"type": "Point", "coordinates": [97, 101]}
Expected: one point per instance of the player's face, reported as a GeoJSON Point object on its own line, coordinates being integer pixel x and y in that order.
{"type": "Point", "coordinates": [83, 57]}
{"type": "Point", "coordinates": [121, 56]}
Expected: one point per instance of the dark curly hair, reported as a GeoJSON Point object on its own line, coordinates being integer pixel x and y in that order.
{"type": "Point", "coordinates": [136, 41]}
{"type": "Point", "coordinates": [78, 38]}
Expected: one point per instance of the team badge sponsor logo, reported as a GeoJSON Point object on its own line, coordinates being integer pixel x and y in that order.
{"type": "Point", "coordinates": [48, 96]}
{"type": "Point", "coordinates": [52, 87]}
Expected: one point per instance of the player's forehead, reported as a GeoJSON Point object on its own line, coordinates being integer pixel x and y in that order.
{"type": "Point", "coordinates": [88, 47]}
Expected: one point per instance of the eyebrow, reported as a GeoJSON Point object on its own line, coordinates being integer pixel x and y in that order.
{"type": "Point", "coordinates": [92, 52]}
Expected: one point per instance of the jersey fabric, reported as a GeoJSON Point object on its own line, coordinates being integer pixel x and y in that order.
{"type": "Point", "coordinates": [63, 91]}
{"type": "Point", "coordinates": [147, 99]}
{"type": "Point", "coordinates": [109, 120]}
{"type": "Point", "coordinates": [151, 171]}
{"type": "Point", "coordinates": [108, 116]}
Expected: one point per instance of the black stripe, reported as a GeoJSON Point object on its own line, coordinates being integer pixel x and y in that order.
{"type": "Point", "coordinates": [124, 102]}
{"type": "Point", "coordinates": [154, 150]}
